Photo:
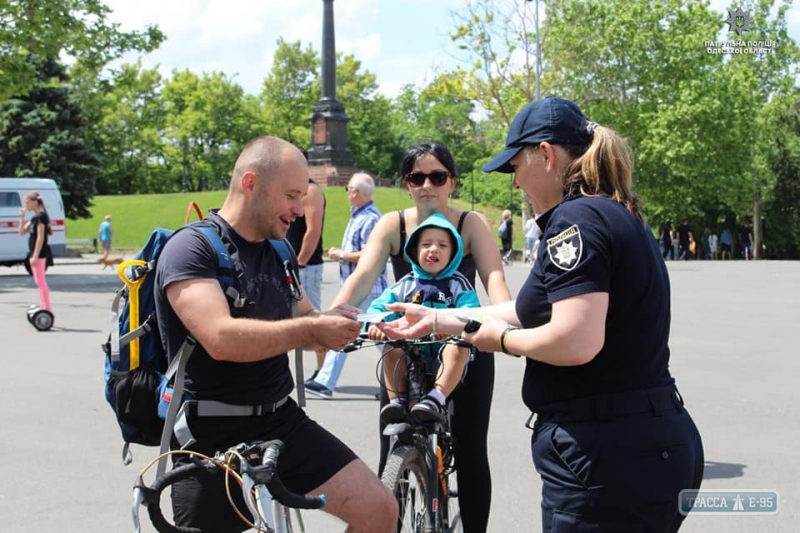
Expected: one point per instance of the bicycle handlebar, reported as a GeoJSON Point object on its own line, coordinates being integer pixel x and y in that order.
{"type": "Point", "coordinates": [363, 338]}
{"type": "Point", "coordinates": [265, 474]}
{"type": "Point", "coordinates": [151, 497]}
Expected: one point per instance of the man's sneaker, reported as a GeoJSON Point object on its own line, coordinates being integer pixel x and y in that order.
{"type": "Point", "coordinates": [312, 378]}
{"type": "Point", "coordinates": [429, 411]}
{"type": "Point", "coordinates": [392, 413]}
{"type": "Point", "coordinates": [312, 387]}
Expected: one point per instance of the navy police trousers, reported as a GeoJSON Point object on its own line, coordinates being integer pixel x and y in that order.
{"type": "Point", "coordinates": [616, 462]}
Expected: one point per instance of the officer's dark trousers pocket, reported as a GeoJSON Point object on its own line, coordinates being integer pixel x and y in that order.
{"type": "Point", "coordinates": [619, 476]}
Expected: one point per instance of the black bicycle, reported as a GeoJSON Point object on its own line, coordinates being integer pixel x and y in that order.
{"type": "Point", "coordinates": [420, 469]}
{"type": "Point", "coordinates": [254, 466]}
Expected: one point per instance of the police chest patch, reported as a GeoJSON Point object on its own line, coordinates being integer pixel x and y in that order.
{"type": "Point", "coordinates": [565, 249]}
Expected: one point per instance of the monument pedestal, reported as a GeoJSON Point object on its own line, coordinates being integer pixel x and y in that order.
{"type": "Point", "coordinates": [327, 174]}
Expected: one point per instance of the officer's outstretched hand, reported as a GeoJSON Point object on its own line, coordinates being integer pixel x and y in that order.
{"type": "Point", "coordinates": [417, 321]}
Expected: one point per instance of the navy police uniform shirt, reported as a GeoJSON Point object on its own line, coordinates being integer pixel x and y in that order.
{"type": "Point", "coordinates": [596, 245]}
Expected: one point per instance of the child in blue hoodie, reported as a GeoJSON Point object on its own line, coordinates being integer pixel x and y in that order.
{"type": "Point", "coordinates": [434, 250]}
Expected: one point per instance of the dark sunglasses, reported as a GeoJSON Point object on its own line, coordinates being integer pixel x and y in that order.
{"type": "Point", "coordinates": [438, 178]}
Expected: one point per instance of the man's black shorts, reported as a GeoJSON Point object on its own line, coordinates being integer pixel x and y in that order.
{"type": "Point", "coordinates": [312, 456]}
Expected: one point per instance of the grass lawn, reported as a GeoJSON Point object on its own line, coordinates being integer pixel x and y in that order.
{"type": "Point", "coordinates": [135, 216]}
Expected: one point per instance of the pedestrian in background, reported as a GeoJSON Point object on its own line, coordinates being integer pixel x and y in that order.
{"type": "Point", "coordinates": [105, 233]}
{"type": "Point", "coordinates": [726, 244]}
{"type": "Point", "coordinates": [666, 239]}
{"type": "Point", "coordinates": [713, 246]}
{"type": "Point", "coordinates": [532, 234]}
{"type": "Point", "coordinates": [685, 239]}
{"type": "Point", "coordinates": [506, 234]}
{"type": "Point", "coordinates": [746, 239]}
{"type": "Point", "coordinates": [39, 255]}
{"type": "Point", "coordinates": [305, 236]}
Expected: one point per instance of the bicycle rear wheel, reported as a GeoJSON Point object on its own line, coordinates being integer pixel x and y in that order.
{"type": "Point", "coordinates": [405, 476]}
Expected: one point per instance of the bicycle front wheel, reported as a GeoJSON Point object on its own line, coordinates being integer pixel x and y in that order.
{"type": "Point", "coordinates": [453, 510]}
{"type": "Point", "coordinates": [405, 476]}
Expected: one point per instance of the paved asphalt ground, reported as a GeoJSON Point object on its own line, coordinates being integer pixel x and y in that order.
{"type": "Point", "coordinates": [734, 330]}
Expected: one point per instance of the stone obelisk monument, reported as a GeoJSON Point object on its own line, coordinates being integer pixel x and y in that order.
{"type": "Point", "coordinates": [330, 160]}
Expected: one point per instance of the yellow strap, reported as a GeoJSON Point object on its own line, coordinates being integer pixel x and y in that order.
{"type": "Point", "coordinates": [133, 301]}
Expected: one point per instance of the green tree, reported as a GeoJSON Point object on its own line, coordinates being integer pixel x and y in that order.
{"type": "Point", "coordinates": [369, 132]}
{"type": "Point", "coordinates": [76, 29]}
{"type": "Point", "coordinates": [769, 83]}
{"type": "Point", "coordinates": [782, 220]}
{"type": "Point", "coordinates": [206, 125]}
{"type": "Point", "coordinates": [290, 91]}
{"type": "Point", "coordinates": [692, 118]}
{"type": "Point", "coordinates": [499, 41]}
{"type": "Point", "coordinates": [42, 134]}
{"type": "Point", "coordinates": [127, 124]}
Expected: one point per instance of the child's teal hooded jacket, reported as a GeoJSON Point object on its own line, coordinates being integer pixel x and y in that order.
{"type": "Point", "coordinates": [447, 289]}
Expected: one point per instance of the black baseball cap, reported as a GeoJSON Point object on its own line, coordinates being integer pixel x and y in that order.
{"type": "Point", "coordinates": [552, 120]}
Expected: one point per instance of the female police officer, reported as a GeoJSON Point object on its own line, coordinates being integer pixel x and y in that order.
{"type": "Point", "coordinates": [612, 441]}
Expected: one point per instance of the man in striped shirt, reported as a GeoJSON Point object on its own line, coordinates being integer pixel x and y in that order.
{"type": "Point", "coordinates": [363, 217]}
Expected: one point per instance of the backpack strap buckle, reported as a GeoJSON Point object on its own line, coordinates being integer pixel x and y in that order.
{"type": "Point", "coordinates": [236, 298]}
{"type": "Point", "coordinates": [292, 280]}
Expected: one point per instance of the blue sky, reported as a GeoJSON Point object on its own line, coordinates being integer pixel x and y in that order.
{"type": "Point", "coordinates": [401, 41]}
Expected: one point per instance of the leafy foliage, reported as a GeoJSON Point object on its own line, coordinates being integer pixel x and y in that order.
{"type": "Point", "coordinates": [75, 29]}
{"type": "Point", "coordinates": [42, 134]}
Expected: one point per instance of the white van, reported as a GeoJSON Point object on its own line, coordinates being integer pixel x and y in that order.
{"type": "Point", "coordinates": [13, 246]}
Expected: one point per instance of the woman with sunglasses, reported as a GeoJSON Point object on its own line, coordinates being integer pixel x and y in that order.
{"type": "Point", "coordinates": [430, 177]}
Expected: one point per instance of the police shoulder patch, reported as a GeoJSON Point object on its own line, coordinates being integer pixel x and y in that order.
{"type": "Point", "coordinates": [565, 249]}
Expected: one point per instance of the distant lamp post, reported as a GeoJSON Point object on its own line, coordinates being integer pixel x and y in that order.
{"type": "Point", "coordinates": [538, 46]}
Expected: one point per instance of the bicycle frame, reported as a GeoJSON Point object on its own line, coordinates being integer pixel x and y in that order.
{"type": "Point", "coordinates": [266, 509]}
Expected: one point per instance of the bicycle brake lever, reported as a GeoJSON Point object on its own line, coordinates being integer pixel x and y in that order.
{"type": "Point", "coordinates": [138, 499]}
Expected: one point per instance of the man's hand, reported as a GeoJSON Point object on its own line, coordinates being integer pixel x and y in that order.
{"type": "Point", "coordinates": [335, 254]}
{"type": "Point", "coordinates": [345, 310]}
{"type": "Point", "coordinates": [336, 327]}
